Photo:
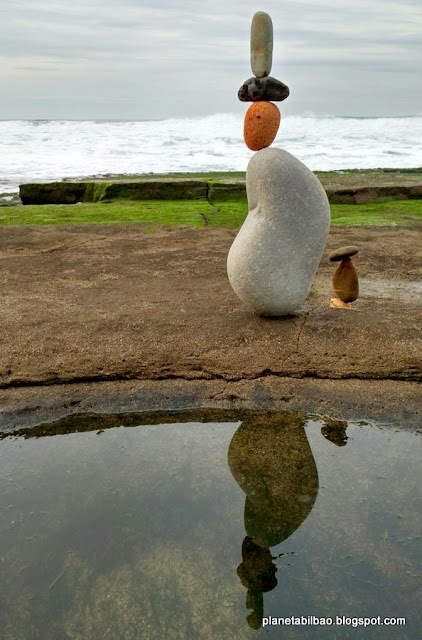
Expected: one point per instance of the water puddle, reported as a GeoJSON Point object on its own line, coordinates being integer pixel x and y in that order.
{"type": "Point", "coordinates": [186, 529]}
{"type": "Point", "coordinates": [404, 291]}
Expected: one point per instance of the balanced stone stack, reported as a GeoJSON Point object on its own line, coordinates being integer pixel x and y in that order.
{"type": "Point", "coordinates": [274, 258]}
{"type": "Point", "coordinates": [345, 277]}
{"type": "Point", "coordinates": [262, 119]}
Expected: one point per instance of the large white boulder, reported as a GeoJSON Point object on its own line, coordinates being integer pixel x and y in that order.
{"type": "Point", "coordinates": [274, 257]}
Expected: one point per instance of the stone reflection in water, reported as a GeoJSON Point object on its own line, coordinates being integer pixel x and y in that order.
{"type": "Point", "coordinates": [257, 574]}
{"type": "Point", "coordinates": [335, 431]}
{"type": "Point", "coordinates": [271, 460]}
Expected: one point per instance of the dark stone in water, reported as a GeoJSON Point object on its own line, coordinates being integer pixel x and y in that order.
{"type": "Point", "coordinates": [263, 89]}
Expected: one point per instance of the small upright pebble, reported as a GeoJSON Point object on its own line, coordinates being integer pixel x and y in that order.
{"type": "Point", "coordinates": [265, 89]}
{"type": "Point", "coordinates": [345, 277]}
{"type": "Point", "coordinates": [345, 281]}
{"type": "Point", "coordinates": [262, 120]}
{"type": "Point", "coordinates": [261, 44]}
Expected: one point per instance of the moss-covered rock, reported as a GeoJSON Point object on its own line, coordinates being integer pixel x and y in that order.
{"type": "Point", "coordinates": [72, 192]}
{"type": "Point", "coordinates": [156, 190]}
{"type": "Point", "coordinates": [96, 191]}
{"type": "Point", "coordinates": [52, 192]}
{"type": "Point", "coordinates": [223, 191]}
{"type": "Point", "coordinates": [195, 189]}
{"type": "Point", "coordinates": [373, 194]}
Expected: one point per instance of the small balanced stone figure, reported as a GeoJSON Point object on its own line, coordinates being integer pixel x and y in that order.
{"type": "Point", "coordinates": [345, 278]}
{"type": "Point", "coordinates": [274, 257]}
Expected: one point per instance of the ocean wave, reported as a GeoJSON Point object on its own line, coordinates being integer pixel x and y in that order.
{"type": "Point", "coordinates": [45, 150]}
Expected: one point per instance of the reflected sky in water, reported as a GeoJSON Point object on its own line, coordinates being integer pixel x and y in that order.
{"type": "Point", "coordinates": [200, 530]}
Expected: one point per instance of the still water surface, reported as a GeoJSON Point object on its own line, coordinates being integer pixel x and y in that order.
{"type": "Point", "coordinates": [192, 530]}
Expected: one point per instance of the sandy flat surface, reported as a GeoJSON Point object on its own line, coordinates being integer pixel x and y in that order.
{"type": "Point", "coordinates": [93, 303]}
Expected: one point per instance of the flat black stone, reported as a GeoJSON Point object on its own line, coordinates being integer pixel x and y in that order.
{"type": "Point", "coordinates": [266, 89]}
{"type": "Point", "coordinates": [343, 253]}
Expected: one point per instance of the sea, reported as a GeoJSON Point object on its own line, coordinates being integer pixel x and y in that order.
{"type": "Point", "coordinates": [52, 150]}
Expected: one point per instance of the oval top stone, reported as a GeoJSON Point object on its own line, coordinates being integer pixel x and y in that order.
{"type": "Point", "coordinates": [343, 253]}
{"type": "Point", "coordinates": [261, 44]}
{"type": "Point", "coordinates": [266, 89]}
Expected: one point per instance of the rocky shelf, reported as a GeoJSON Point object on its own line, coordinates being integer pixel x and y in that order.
{"type": "Point", "coordinates": [108, 318]}
{"type": "Point", "coordinates": [353, 187]}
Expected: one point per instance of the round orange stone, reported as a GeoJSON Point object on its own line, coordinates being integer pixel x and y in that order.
{"type": "Point", "coordinates": [262, 120]}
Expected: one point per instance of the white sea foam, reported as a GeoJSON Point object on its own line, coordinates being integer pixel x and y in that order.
{"type": "Point", "coordinates": [33, 151]}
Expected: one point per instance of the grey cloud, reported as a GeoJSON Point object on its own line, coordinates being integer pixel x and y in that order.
{"type": "Point", "coordinates": [113, 48]}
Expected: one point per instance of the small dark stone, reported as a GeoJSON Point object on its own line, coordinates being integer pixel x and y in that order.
{"type": "Point", "coordinates": [342, 254]}
{"type": "Point", "coordinates": [266, 89]}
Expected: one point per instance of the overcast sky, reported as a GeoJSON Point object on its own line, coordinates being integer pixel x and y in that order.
{"type": "Point", "coordinates": [134, 59]}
